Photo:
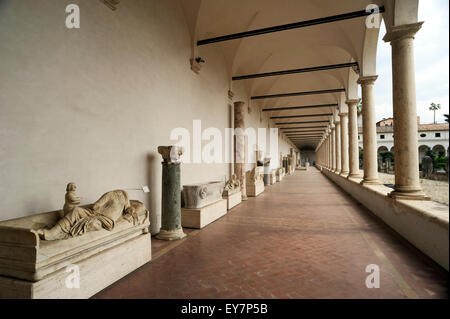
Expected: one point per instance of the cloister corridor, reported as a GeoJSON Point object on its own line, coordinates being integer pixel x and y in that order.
{"type": "Point", "coordinates": [302, 238]}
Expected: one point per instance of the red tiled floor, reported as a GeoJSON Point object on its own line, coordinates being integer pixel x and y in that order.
{"type": "Point", "coordinates": [301, 238]}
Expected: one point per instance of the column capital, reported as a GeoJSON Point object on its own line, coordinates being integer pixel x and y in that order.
{"type": "Point", "coordinates": [400, 32]}
{"type": "Point", "coordinates": [337, 121]}
{"type": "Point", "coordinates": [343, 114]}
{"type": "Point", "coordinates": [351, 101]}
{"type": "Point", "coordinates": [367, 80]}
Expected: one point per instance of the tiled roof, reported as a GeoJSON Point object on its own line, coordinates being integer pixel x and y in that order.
{"type": "Point", "coordinates": [433, 127]}
{"type": "Point", "coordinates": [421, 128]}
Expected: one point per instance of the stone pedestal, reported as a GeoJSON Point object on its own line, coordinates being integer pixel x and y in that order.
{"type": "Point", "coordinates": [170, 194]}
{"type": "Point", "coordinates": [34, 268]}
{"type": "Point", "coordinates": [273, 178]}
{"type": "Point", "coordinates": [201, 217]}
{"type": "Point", "coordinates": [279, 174]}
{"type": "Point", "coordinates": [233, 199]}
{"type": "Point", "coordinates": [255, 189]}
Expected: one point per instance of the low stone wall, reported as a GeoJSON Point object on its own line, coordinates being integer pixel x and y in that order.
{"type": "Point", "coordinates": [425, 224]}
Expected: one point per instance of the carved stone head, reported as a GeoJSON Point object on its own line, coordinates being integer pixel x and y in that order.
{"type": "Point", "coordinates": [71, 187]}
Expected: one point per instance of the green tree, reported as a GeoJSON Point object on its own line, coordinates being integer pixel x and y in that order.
{"type": "Point", "coordinates": [434, 107]}
{"type": "Point", "coordinates": [359, 106]}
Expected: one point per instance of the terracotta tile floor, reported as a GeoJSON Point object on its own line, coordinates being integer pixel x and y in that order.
{"type": "Point", "coordinates": [301, 238]}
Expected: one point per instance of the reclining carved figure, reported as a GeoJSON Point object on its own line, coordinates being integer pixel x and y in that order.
{"type": "Point", "coordinates": [77, 220]}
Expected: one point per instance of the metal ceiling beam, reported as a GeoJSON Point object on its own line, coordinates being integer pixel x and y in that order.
{"type": "Point", "coordinates": [299, 107]}
{"type": "Point", "coordinates": [270, 96]}
{"type": "Point", "coordinates": [296, 116]}
{"type": "Point", "coordinates": [294, 71]}
{"type": "Point", "coordinates": [306, 135]}
{"type": "Point", "coordinates": [289, 26]}
{"type": "Point", "coordinates": [282, 123]}
{"type": "Point", "coordinates": [307, 131]}
{"type": "Point", "coordinates": [301, 127]}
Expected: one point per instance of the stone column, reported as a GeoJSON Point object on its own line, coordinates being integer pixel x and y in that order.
{"type": "Point", "coordinates": [407, 184]}
{"type": "Point", "coordinates": [369, 131]}
{"type": "Point", "coordinates": [353, 149]}
{"type": "Point", "coordinates": [291, 160]}
{"type": "Point", "coordinates": [329, 150]}
{"type": "Point", "coordinates": [344, 143]}
{"type": "Point", "coordinates": [239, 146]}
{"type": "Point", "coordinates": [333, 147]}
{"type": "Point", "coordinates": [337, 125]}
{"type": "Point", "coordinates": [170, 194]}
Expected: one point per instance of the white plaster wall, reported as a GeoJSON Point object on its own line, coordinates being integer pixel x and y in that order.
{"type": "Point", "coordinates": [91, 105]}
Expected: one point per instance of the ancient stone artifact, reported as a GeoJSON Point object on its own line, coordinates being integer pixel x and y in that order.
{"type": "Point", "coordinates": [285, 165]}
{"type": "Point", "coordinates": [279, 174]}
{"type": "Point", "coordinates": [380, 164]}
{"type": "Point", "coordinates": [255, 183]}
{"type": "Point", "coordinates": [232, 192]}
{"type": "Point", "coordinates": [202, 194]}
{"type": "Point", "coordinates": [170, 194]}
{"type": "Point", "coordinates": [427, 167]}
{"type": "Point", "coordinates": [273, 177]}
{"type": "Point", "coordinates": [233, 185]}
{"type": "Point", "coordinates": [36, 250]}
{"type": "Point", "coordinates": [267, 173]}
{"type": "Point", "coordinates": [203, 204]}
{"type": "Point", "coordinates": [104, 213]}
{"type": "Point", "coordinates": [388, 165]}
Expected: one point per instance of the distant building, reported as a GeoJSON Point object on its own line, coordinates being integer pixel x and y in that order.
{"type": "Point", "coordinates": [433, 136]}
{"type": "Point", "coordinates": [386, 122]}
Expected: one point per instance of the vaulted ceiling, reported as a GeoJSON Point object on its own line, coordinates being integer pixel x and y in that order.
{"type": "Point", "coordinates": [331, 43]}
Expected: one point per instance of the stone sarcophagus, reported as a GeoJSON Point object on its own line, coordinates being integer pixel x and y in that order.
{"type": "Point", "coordinates": [200, 195]}
{"type": "Point", "coordinates": [100, 243]}
{"type": "Point", "coordinates": [203, 204]}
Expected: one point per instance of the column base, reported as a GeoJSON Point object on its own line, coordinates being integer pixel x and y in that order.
{"type": "Point", "coordinates": [370, 182]}
{"type": "Point", "coordinates": [171, 234]}
{"type": "Point", "coordinates": [337, 172]}
{"type": "Point", "coordinates": [344, 174]}
{"type": "Point", "coordinates": [357, 175]}
{"type": "Point", "coordinates": [244, 197]}
{"type": "Point", "coordinates": [414, 195]}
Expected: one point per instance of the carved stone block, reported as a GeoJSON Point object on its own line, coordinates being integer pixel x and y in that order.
{"type": "Point", "coordinates": [200, 195]}
{"type": "Point", "coordinates": [201, 217]}
{"type": "Point", "coordinates": [255, 189]}
{"type": "Point", "coordinates": [233, 199]}
{"type": "Point", "coordinates": [31, 267]}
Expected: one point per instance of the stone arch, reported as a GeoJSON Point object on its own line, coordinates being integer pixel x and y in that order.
{"type": "Point", "coordinates": [438, 148]}
{"type": "Point", "coordinates": [382, 149]}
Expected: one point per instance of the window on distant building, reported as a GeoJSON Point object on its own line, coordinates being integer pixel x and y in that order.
{"type": "Point", "coordinates": [359, 137]}
{"type": "Point", "coordinates": [423, 135]}
{"type": "Point", "coordinates": [382, 136]}
{"type": "Point", "coordinates": [437, 134]}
